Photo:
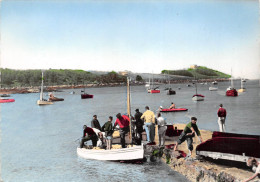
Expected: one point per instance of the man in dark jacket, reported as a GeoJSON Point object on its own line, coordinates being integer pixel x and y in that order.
{"type": "Point", "coordinates": [88, 134]}
{"type": "Point", "coordinates": [95, 123]}
{"type": "Point", "coordinates": [139, 126]}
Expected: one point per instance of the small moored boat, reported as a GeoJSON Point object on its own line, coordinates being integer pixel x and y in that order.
{"type": "Point", "coordinates": [6, 100]}
{"type": "Point", "coordinates": [42, 101]}
{"type": "Point", "coordinates": [174, 110]}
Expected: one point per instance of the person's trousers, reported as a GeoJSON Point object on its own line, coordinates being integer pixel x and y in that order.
{"type": "Point", "coordinates": [221, 124]}
{"type": "Point", "coordinates": [161, 134]}
{"type": "Point", "coordinates": [188, 138]}
{"type": "Point", "coordinates": [123, 132]}
{"type": "Point", "coordinates": [150, 131]}
{"type": "Point", "coordinates": [94, 139]}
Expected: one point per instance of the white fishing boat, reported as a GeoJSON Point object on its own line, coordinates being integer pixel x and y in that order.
{"type": "Point", "coordinates": [213, 88]}
{"type": "Point", "coordinates": [123, 154]}
{"type": "Point", "coordinates": [42, 101]}
{"type": "Point", "coordinates": [131, 153]}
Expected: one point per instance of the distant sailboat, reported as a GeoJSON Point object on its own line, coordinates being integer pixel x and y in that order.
{"type": "Point", "coordinates": [43, 101]}
{"type": "Point", "coordinates": [197, 97]}
{"type": "Point", "coordinates": [242, 89]}
{"type": "Point", "coordinates": [153, 89]}
{"type": "Point", "coordinates": [169, 89]}
{"type": "Point", "coordinates": [231, 91]}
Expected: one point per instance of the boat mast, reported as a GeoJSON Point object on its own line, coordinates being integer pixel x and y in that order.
{"type": "Point", "coordinates": [129, 108]}
{"type": "Point", "coordinates": [41, 95]}
{"type": "Point", "coordinates": [232, 83]}
{"type": "Point", "coordinates": [242, 84]}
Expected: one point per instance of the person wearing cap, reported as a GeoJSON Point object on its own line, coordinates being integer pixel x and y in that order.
{"type": "Point", "coordinates": [139, 126]}
{"type": "Point", "coordinates": [252, 162]}
{"type": "Point", "coordinates": [159, 109]}
{"type": "Point", "coordinates": [188, 133]}
{"type": "Point", "coordinates": [95, 123]}
{"type": "Point", "coordinates": [88, 134]}
{"type": "Point", "coordinates": [149, 119]}
{"type": "Point", "coordinates": [123, 122]}
{"type": "Point", "coordinates": [172, 106]}
{"type": "Point", "coordinates": [222, 113]}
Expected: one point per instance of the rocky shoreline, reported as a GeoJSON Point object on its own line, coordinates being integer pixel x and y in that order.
{"type": "Point", "coordinates": [24, 90]}
{"type": "Point", "coordinates": [205, 170]}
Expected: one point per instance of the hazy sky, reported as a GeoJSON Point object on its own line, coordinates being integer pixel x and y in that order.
{"type": "Point", "coordinates": [140, 36]}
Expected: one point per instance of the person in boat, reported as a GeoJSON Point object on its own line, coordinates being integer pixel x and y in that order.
{"type": "Point", "coordinates": [188, 133]}
{"type": "Point", "coordinates": [123, 122]}
{"type": "Point", "coordinates": [100, 135]}
{"type": "Point", "coordinates": [139, 126]}
{"type": "Point", "coordinates": [222, 113]}
{"type": "Point", "coordinates": [95, 123]}
{"type": "Point", "coordinates": [252, 162]}
{"type": "Point", "coordinates": [149, 119]}
{"type": "Point", "coordinates": [172, 106]}
{"type": "Point", "coordinates": [88, 134]}
{"type": "Point", "coordinates": [108, 129]}
{"type": "Point", "coordinates": [159, 109]}
{"type": "Point", "coordinates": [161, 129]}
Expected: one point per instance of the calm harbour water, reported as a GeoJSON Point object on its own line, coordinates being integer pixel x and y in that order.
{"type": "Point", "coordinates": [38, 142]}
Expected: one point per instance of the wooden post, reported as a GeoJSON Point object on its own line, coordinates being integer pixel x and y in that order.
{"type": "Point", "coordinates": [129, 109]}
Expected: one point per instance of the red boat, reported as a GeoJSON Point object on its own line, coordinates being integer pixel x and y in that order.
{"type": "Point", "coordinates": [6, 100]}
{"type": "Point", "coordinates": [230, 146]}
{"type": "Point", "coordinates": [172, 131]}
{"type": "Point", "coordinates": [153, 91]}
{"type": "Point", "coordinates": [86, 96]}
{"type": "Point", "coordinates": [232, 92]}
{"type": "Point", "coordinates": [174, 110]}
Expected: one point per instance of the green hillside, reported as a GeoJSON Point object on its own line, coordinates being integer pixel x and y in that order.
{"type": "Point", "coordinates": [201, 72]}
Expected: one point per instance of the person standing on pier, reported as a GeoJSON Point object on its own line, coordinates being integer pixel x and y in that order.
{"type": "Point", "coordinates": [188, 133]}
{"type": "Point", "coordinates": [222, 113]}
{"type": "Point", "coordinates": [95, 123]}
{"type": "Point", "coordinates": [149, 118]}
{"type": "Point", "coordinates": [123, 122]}
{"type": "Point", "coordinates": [139, 126]}
{"type": "Point", "coordinates": [161, 129]}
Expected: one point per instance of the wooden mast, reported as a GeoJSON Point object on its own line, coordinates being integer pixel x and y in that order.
{"type": "Point", "coordinates": [129, 109]}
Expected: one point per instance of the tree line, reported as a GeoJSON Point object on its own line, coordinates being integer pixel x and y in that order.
{"type": "Point", "coordinates": [31, 78]}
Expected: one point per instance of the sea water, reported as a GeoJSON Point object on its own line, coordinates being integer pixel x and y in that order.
{"type": "Point", "coordinates": [38, 143]}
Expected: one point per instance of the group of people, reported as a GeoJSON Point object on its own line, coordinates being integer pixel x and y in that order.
{"type": "Point", "coordinates": [142, 121]}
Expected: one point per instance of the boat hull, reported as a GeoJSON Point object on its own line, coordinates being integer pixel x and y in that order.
{"type": "Point", "coordinates": [43, 102]}
{"type": "Point", "coordinates": [213, 88]}
{"type": "Point", "coordinates": [232, 93]}
{"type": "Point", "coordinates": [230, 146]}
{"type": "Point", "coordinates": [154, 91]}
{"type": "Point", "coordinates": [6, 100]}
{"type": "Point", "coordinates": [122, 154]}
{"type": "Point", "coordinates": [171, 92]}
{"type": "Point", "coordinates": [56, 99]}
{"type": "Point", "coordinates": [174, 110]}
{"type": "Point", "coordinates": [86, 96]}
{"type": "Point", "coordinates": [197, 98]}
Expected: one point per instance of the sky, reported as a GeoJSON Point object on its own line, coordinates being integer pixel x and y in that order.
{"type": "Point", "coordinates": [139, 36]}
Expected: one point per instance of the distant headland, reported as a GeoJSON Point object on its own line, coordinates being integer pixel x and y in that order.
{"type": "Point", "coordinates": [29, 81]}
